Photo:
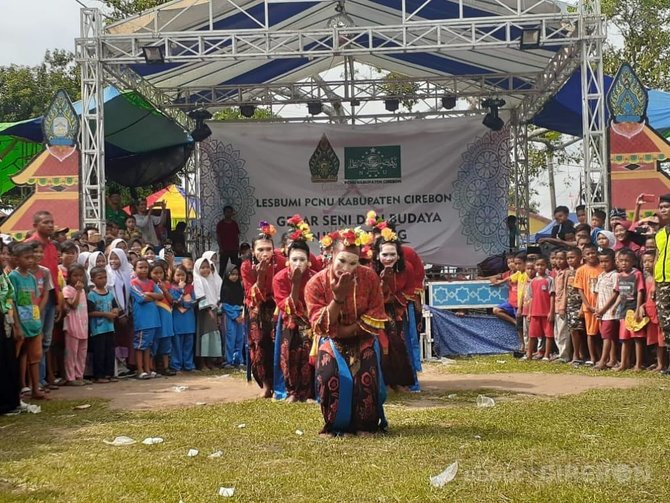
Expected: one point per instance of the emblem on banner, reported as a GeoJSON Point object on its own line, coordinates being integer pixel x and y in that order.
{"type": "Point", "coordinates": [324, 164]}
{"type": "Point", "coordinates": [372, 164]}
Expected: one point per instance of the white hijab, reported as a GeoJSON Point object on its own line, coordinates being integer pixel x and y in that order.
{"type": "Point", "coordinates": [208, 255]}
{"type": "Point", "coordinates": [115, 243]}
{"type": "Point", "coordinates": [209, 287]}
{"type": "Point", "coordinates": [92, 259]}
{"type": "Point", "coordinates": [82, 259]}
{"type": "Point", "coordinates": [118, 278]}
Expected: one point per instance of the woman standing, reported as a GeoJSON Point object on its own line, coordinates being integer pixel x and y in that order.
{"type": "Point", "coordinates": [346, 311]}
{"type": "Point", "coordinates": [397, 282]}
{"type": "Point", "coordinates": [293, 337]}
{"type": "Point", "coordinates": [257, 276]}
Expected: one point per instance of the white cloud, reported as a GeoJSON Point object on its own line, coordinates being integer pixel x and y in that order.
{"type": "Point", "coordinates": [30, 27]}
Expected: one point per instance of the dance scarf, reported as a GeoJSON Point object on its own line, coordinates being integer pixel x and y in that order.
{"type": "Point", "coordinates": [345, 405]}
{"type": "Point", "coordinates": [278, 380]}
{"type": "Point", "coordinates": [412, 344]}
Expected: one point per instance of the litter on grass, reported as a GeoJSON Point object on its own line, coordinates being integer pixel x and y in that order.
{"type": "Point", "coordinates": [226, 492]}
{"type": "Point", "coordinates": [192, 453]}
{"type": "Point", "coordinates": [452, 396]}
{"type": "Point", "coordinates": [83, 406]}
{"type": "Point", "coordinates": [33, 409]}
{"type": "Point", "coordinates": [119, 441]}
{"type": "Point", "coordinates": [152, 441]}
{"type": "Point", "coordinates": [299, 433]}
{"type": "Point", "coordinates": [241, 425]}
{"type": "Point", "coordinates": [501, 361]}
{"type": "Point", "coordinates": [201, 403]}
{"type": "Point", "coordinates": [446, 476]}
{"type": "Point", "coordinates": [447, 361]}
{"type": "Point", "coordinates": [216, 454]}
{"type": "Point", "coordinates": [485, 401]}
{"type": "Point", "coordinates": [179, 389]}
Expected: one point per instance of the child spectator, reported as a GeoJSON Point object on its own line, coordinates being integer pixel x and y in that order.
{"type": "Point", "coordinates": [136, 246]}
{"type": "Point", "coordinates": [573, 303]}
{"type": "Point", "coordinates": [605, 239]}
{"type": "Point", "coordinates": [10, 384]}
{"type": "Point", "coordinates": [552, 263]}
{"type": "Point", "coordinates": [131, 232]}
{"type": "Point", "coordinates": [75, 326]}
{"type": "Point", "coordinates": [102, 311]}
{"type": "Point", "coordinates": [144, 293]}
{"type": "Point", "coordinates": [119, 274]}
{"type": "Point", "coordinates": [148, 253]}
{"type": "Point", "coordinates": [232, 298]}
{"type": "Point", "coordinates": [68, 256]}
{"type": "Point", "coordinates": [507, 310]}
{"type": "Point", "coordinates": [95, 259]}
{"type": "Point", "coordinates": [207, 287]}
{"type": "Point", "coordinates": [630, 287]}
{"type": "Point", "coordinates": [524, 306]}
{"type": "Point", "coordinates": [518, 279]}
{"type": "Point", "coordinates": [598, 218]}
{"type": "Point", "coordinates": [561, 329]}
{"type": "Point", "coordinates": [183, 320]}
{"type": "Point", "coordinates": [654, 335]}
{"type": "Point", "coordinates": [28, 325]}
{"type": "Point", "coordinates": [162, 346]}
{"type": "Point", "coordinates": [580, 211]}
{"type": "Point", "coordinates": [45, 288]}
{"type": "Point", "coordinates": [606, 297]}
{"type": "Point", "coordinates": [542, 307]}
{"type": "Point", "coordinates": [586, 278]}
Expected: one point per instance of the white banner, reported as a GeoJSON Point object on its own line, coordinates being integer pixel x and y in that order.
{"type": "Point", "coordinates": [445, 182]}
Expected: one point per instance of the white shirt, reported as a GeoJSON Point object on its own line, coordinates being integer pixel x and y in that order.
{"type": "Point", "coordinates": [146, 223]}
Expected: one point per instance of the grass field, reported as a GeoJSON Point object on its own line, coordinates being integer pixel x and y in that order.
{"type": "Point", "coordinates": [602, 445]}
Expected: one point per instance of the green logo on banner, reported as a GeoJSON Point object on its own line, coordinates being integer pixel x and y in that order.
{"type": "Point", "coordinates": [372, 164]}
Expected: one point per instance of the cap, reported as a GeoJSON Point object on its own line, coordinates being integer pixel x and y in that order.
{"type": "Point", "coordinates": [618, 213]}
{"type": "Point", "coordinates": [60, 230]}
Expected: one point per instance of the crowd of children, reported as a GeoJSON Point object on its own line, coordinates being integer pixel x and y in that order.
{"type": "Point", "coordinates": [593, 301]}
{"type": "Point", "coordinates": [115, 316]}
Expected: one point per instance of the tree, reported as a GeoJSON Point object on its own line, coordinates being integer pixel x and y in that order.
{"type": "Point", "coordinates": [26, 91]}
{"type": "Point", "coordinates": [120, 9]}
{"type": "Point", "coordinates": [233, 114]}
{"type": "Point", "coordinates": [643, 25]}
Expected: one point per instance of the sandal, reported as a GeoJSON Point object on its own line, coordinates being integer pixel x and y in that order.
{"type": "Point", "coordinates": [144, 376]}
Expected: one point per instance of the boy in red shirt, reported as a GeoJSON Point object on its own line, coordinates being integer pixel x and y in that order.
{"type": "Point", "coordinates": [586, 279]}
{"type": "Point", "coordinates": [542, 297]}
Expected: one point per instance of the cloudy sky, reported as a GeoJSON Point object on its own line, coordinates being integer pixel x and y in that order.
{"type": "Point", "coordinates": [30, 27]}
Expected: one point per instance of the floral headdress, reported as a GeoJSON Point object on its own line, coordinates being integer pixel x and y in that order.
{"type": "Point", "coordinates": [367, 252]}
{"type": "Point", "coordinates": [266, 229]}
{"type": "Point", "coordinates": [327, 240]}
{"type": "Point", "coordinates": [355, 237]}
{"type": "Point", "coordinates": [301, 230]}
{"type": "Point", "coordinates": [376, 222]}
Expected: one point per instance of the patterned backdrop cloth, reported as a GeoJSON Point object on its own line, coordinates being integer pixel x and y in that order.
{"type": "Point", "coordinates": [470, 334]}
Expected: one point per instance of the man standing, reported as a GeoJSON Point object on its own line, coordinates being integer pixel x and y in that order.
{"type": "Point", "coordinates": [43, 222]}
{"type": "Point", "coordinates": [114, 212]}
{"type": "Point", "coordinates": [228, 237]}
{"type": "Point", "coordinates": [662, 268]}
{"type": "Point", "coordinates": [146, 222]}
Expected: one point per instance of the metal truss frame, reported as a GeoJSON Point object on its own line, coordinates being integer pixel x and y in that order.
{"type": "Point", "coordinates": [106, 53]}
{"type": "Point", "coordinates": [520, 178]}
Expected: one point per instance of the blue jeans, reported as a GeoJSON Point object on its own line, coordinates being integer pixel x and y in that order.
{"type": "Point", "coordinates": [235, 333]}
{"type": "Point", "coordinates": [48, 320]}
{"type": "Point", "coordinates": [182, 352]}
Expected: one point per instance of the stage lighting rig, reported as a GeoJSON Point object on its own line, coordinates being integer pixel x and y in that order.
{"type": "Point", "coordinates": [391, 104]}
{"type": "Point", "coordinates": [314, 107]}
{"type": "Point", "coordinates": [201, 131]}
{"type": "Point", "coordinates": [247, 110]}
{"type": "Point", "coordinates": [449, 101]}
{"type": "Point", "coordinates": [491, 119]}
{"type": "Point", "coordinates": [530, 39]}
{"type": "Point", "coordinates": [153, 55]}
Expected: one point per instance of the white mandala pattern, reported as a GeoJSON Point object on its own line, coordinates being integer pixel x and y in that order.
{"type": "Point", "coordinates": [223, 181]}
{"type": "Point", "coordinates": [480, 192]}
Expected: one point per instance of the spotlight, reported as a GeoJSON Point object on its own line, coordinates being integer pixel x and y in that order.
{"type": "Point", "coordinates": [391, 104]}
{"type": "Point", "coordinates": [314, 107]}
{"type": "Point", "coordinates": [491, 119]}
{"type": "Point", "coordinates": [341, 19]}
{"type": "Point", "coordinates": [449, 101]}
{"type": "Point", "coordinates": [247, 110]}
{"type": "Point", "coordinates": [201, 131]}
{"type": "Point", "coordinates": [530, 39]}
{"type": "Point", "coordinates": [153, 55]}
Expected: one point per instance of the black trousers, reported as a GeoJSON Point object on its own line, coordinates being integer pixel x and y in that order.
{"type": "Point", "coordinates": [102, 346]}
{"type": "Point", "coordinates": [223, 261]}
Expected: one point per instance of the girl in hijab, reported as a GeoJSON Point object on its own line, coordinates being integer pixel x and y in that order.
{"type": "Point", "coordinates": [119, 243]}
{"type": "Point", "coordinates": [119, 274]}
{"type": "Point", "coordinates": [82, 259]}
{"type": "Point", "coordinates": [232, 298]}
{"type": "Point", "coordinates": [96, 259]}
{"type": "Point", "coordinates": [605, 239]}
{"type": "Point", "coordinates": [207, 289]}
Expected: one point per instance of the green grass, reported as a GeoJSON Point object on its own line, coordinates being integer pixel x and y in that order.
{"type": "Point", "coordinates": [565, 449]}
{"type": "Point", "coordinates": [498, 364]}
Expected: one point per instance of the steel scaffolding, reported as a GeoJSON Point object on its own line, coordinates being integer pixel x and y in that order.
{"type": "Point", "coordinates": [105, 54]}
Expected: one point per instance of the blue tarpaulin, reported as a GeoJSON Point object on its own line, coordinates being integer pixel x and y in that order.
{"type": "Point", "coordinates": [471, 334]}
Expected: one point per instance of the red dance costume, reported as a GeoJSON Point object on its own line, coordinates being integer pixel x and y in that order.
{"type": "Point", "coordinates": [363, 305]}
{"type": "Point", "coordinates": [296, 335]}
{"type": "Point", "coordinates": [261, 306]}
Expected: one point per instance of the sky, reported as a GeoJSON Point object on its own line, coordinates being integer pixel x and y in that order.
{"type": "Point", "coordinates": [38, 25]}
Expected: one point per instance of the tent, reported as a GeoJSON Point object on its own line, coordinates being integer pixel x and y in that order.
{"type": "Point", "coordinates": [142, 145]}
{"type": "Point", "coordinates": [175, 200]}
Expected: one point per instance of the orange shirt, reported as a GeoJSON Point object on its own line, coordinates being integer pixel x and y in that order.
{"type": "Point", "coordinates": [586, 279]}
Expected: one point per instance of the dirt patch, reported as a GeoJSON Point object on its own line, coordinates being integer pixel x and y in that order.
{"type": "Point", "coordinates": [528, 383]}
{"type": "Point", "coordinates": [160, 393]}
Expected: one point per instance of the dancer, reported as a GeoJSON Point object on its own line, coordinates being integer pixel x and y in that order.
{"type": "Point", "coordinates": [346, 311]}
{"type": "Point", "coordinates": [293, 338]}
{"type": "Point", "coordinates": [397, 282]}
{"type": "Point", "coordinates": [257, 276]}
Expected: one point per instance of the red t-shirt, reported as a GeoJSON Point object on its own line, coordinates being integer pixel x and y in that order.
{"type": "Point", "coordinates": [541, 290]}
{"type": "Point", "coordinates": [228, 236]}
{"type": "Point", "coordinates": [50, 259]}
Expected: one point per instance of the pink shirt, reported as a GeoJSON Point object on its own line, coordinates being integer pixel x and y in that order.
{"type": "Point", "coordinates": [76, 321]}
